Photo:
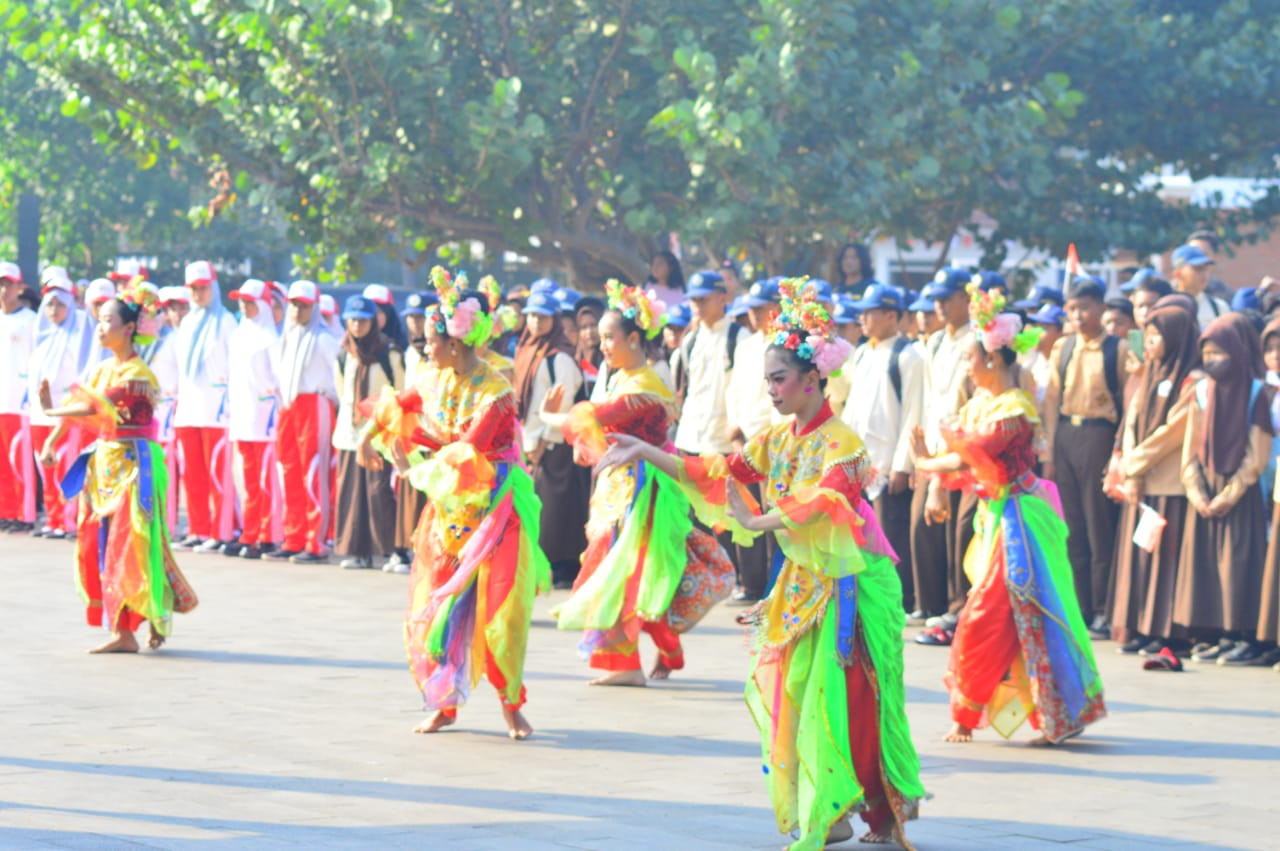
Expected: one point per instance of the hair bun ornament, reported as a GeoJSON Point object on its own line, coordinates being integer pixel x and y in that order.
{"type": "Point", "coordinates": [463, 319]}
{"type": "Point", "coordinates": [997, 329]}
{"type": "Point", "coordinates": [803, 325]}
{"type": "Point", "coordinates": [640, 306]}
{"type": "Point", "coordinates": [143, 297]}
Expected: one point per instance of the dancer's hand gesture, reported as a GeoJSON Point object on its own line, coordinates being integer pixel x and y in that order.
{"type": "Point", "coordinates": [623, 449]}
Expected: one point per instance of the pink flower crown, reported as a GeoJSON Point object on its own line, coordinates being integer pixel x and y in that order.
{"type": "Point", "coordinates": [642, 307]}
{"type": "Point", "coordinates": [463, 319]}
{"type": "Point", "coordinates": [997, 329]}
{"type": "Point", "coordinates": [805, 327]}
{"type": "Point", "coordinates": [144, 297]}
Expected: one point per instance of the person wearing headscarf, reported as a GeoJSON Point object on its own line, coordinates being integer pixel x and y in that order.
{"type": "Point", "coordinates": [96, 294]}
{"type": "Point", "coordinates": [366, 503]}
{"type": "Point", "coordinates": [175, 304]}
{"type": "Point", "coordinates": [387, 319]}
{"type": "Point", "coordinates": [254, 401]}
{"type": "Point", "coordinates": [126, 572]}
{"type": "Point", "coordinates": [17, 342]}
{"type": "Point", "coordinates": [1151, 441]}
{"type": "Point", "coordinates": [544, 359]}
{"type": "Point", "coordinates": [1268, 634]}
{"type": "Point", "coordinates": [587, 314]}
{"type": "Point", "coordinates": [59, 358]}
{"type": "Point", "coordinates": [330, 323]}
{"type": "Point", "coordinates": [303, 362]}
{"type": "Point", "coordinates": [1227, 445]}
{"type": "Point", "coordinates": [202, 345]}
{"type": "Point", "coordinates": [477, 565]}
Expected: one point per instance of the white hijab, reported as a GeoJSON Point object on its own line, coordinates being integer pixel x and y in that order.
{"type": "Point", "coordinates": [206, 329]}
{"type": "Point", "coordinates": [58, 344]}
{"type": "Point", "coordinates": [294, 351]}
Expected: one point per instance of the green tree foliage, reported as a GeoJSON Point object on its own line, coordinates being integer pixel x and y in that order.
{"type": "Point", "coordinates": [575, 132]}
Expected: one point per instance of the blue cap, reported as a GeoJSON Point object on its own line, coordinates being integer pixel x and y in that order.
{"type": "Point", "coordinates": [1138, 277]}
{"type": "Point", "coordinates": [988, 281]}
{"type": "Point", "coordinates": [704, 283]}
{"type": "Point", "coordinates": [880, 295]}
{"type": "Point", "coordinates": [739, 307]}
{"type": "Point", "coordinates": [417, 303]}
{"type": "Point", "coordinates": [543, 285]}
{"type": "Point", "coordinates": [821, 289]}
{"type": "Point", "coordinates": [679, 316]}
{"type": "Point", "coordinates": [947, 282]}
{"type": "Point", "coordinates": [568, 299]}
{"type": "Point", "coordinates": [1050, 314]}
{"type": "Point", "coordinates": [1190, 255]}
{"type": "Point", "coordinates": [1246, 299]}
{"type": "Point", "coordinates": [763, 292]}
{"type": "Point", "coordinates": [1041, 294]}
{"type": "Point", "coordinates": [358, 307]}
{"type": "Point", "coordinates": [923, 302]}
{"type": "Point", "coordinates": [846, 310]}
{"type": "Point", "coordinates": [542, 302]}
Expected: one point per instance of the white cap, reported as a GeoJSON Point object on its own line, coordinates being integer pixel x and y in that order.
{"type": "Point", "coordinates": [168, 295]}
{"type": "Point", "coordinates": [305, 291]}
{"type": "Point", "coordinates": [251, 290]}
{"type": "Point", "coordinates": [200, 273]}
{"type": "Point", "coordinates": [377, 293]}
{"type": "Point", "coordinates": [55, 278]}
{"type": "Point", "coordinates": [99, 290]}
{"type": "Point", "coordinates": [128, 267]}
{"type": "Point", "coordinates": [328, 305]}
{"type": "Point", "coordinates": [10, 270]}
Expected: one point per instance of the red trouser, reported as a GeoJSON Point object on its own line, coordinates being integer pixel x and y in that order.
{"type": "Point", "coordinates": [206, 478]}
{"type": "Point", "coordinates": [623, 654]}
{"type": "Point", "coordinates": [61, 513]}
{"type": "Point", "coordinates": [17, 470]}
{"type": "Point", "coordinates": [985, 645]}
{"type": "Point", "coordinates": [864, 744]}
{"type": "Point", "coordinates": [304, 451]}
{"type": "Point", "coordinates": [261, 492]}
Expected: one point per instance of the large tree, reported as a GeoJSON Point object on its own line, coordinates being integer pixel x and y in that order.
{"type": "Point", "coordinates": [576, 132]}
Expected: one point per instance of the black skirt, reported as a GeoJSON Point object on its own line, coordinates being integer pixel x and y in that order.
{"type": "Point", "coordinates": [565, 490]}
{"type": "Point", "coordinates": [366, 510]}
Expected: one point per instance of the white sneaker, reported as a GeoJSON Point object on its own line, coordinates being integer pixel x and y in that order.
{"type": "Point", "coordinates": [396, 567]}
{"type": "Point", "coordinates": [212, 545]}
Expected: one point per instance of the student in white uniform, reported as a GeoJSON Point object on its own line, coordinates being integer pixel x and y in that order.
{"type": "Point", "coordinates": [17, 342]}
{"type": "Point", "coordinates": [254, 400]}
{"type": "Point", "coordinates": [303, 361]}
{"type": "Point", "coordinates": [59, 358]}
{"type": "Point", "coordinates": [99, 292]}
{"type": "Point", "coordinates": [175, 305]}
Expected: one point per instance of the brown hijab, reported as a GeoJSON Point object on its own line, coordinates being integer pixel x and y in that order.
{"type": "Point", "coordinates": [1181, 335]}
{"type": "Point", "coordinates": [1227, 424]}
{"type": "Point", "coordinates": [531, 351]}
{"type": "Point", "coordinates": [367, 352]}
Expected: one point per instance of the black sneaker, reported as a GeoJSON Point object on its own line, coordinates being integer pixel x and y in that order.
{"type": "Point", "coordinates": [280, 554]}
{"type": "Point", "coordinates": [308, 557]}
{"type": "Point", "coordinates": [1100, 630]}
{"type": "Point", "coordinates": [18, 527]}
{"type": "Point", "coordinates": [1244, 653]}
{"type": "Point", "coordinates": [254, 551]}
{"type": "Point", "coordinates": [189, 543]}
{"type": "Point", "coordinates": [1213, 651]}
{"type": "Point", "coordinates": [1133, 645]}
{"type": "Point", "coordinates": [6, 525]}
{"type": "Point", "coordinates": [233, 549]}
{"type": "Point", "coordinates": [1268, 658]}
{"type": "Point", "coordinates": [1155, 648]}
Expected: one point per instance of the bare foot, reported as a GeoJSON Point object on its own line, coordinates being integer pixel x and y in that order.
{"type": "Point", "coordinates": [1040, 741]}
{"type": "Point", "coordinates": [660, 670]}
{"type": "Point", "coordinates": [620, 678]}
{"type": "Point", "coordinates": [873, 837]}
{"type": "Point", "coordinates": [517, 727]}
{"type": "Point", "coordinates": [121, 642]}
{"type": "Point", "coordinates": [959, 733]}
{"type": "Point", "coordinates": [841, 831]}
{"type": "Point", "coordinates": [155, 639]}
{"type": "Point", "coordinates": [436, 722]}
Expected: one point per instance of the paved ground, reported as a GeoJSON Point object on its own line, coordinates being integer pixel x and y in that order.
{"type": "Point", "coordinates": [279, 716]}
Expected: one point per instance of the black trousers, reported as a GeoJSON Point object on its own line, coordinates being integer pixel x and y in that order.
{"type": "Point", "coordinates": [893, 511]}
{"type": "Point", "coordinates": [937, 553]}
{"type": "Point", "coordinates": [1080, 458]}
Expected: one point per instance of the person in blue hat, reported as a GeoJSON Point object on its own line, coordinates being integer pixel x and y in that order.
{"type": "Point", "coordinates": [1191, 276]}
{"type": "Point", "coordinates": [846, 318]}
{"type": "Point", "coordinates": [365, 520]}
{"type": "Point", "coordinates": [887, 387]}
{"type": "Point", "coordinates": [545, 358]}
{"type": "Point", "coordinates": [1040, 295]}
{"type": "Point", "coordinates": [567, 300]}
{"type": "Point", "coordinates": [825, 292]}
{"type": "Point", "coordinates": [1083, 407]}
{"type": "Point", "coordinates": [1139, 275]}
{"type": "Point", "coordinates": [989, 281]}
{"type": "Point", "coordinates": [750, 412]}
{"type": "Point", "coordinates": [678, 318]}
{"type": "Point", "coordinates": [938, 545]}
{"type": "Point", "coordinates": [927, 322]}
{"type": "Point", "coordinates": [1050, 318]}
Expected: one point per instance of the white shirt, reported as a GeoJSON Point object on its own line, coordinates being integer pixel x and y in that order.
{"type": "Point", "coordinates": [202, 396]}
{"type": "Point", "coordinates": [1037, 363]}
{"type": "Point", "coordinates": [946, 368]}
{"type": "Point", "coordinates": [57, 360]}
{"type": "Point", "coordinates": [252, 396]}
{"type": "Point", "coordinates": [164, 365]}
{"type": "Point", "coordinates": [17, 342]}
{"type": "Point", "coordinates": [874, 411]}
{"type": "Point", "coordinates": [704, 420]}
{"type": "Point", "coordinates": [747, 401]}
{"type": "Point", "coordinates": [1209, 308]}
{"type": "Point", "coordinates": [311, 364]}
{"type": "Point", "coordinates": [568, 375]}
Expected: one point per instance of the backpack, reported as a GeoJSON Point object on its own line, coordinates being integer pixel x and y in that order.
{"type": "Point", "coordinates": [895, 365]}
{"type": "Point", "coordinates": [1110, 352]}
{"type": "Point", "coordinates": [581, 395]}
{"type": "Point", "coordinates": [731, 343]}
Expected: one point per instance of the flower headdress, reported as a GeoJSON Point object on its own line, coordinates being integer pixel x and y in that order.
{"type": "Point", "coordinates": [641, 307]}
{"type": "Point", "coordinates": [805, 327]}
{"type": "Point", "coordinates": [997, 329]}
{"type": "Point", "coordinates": [143, 297]}
{"type": "Point", "coordinates": [505, 317]}
{"type": "Point", "coordinates": [463, 319]}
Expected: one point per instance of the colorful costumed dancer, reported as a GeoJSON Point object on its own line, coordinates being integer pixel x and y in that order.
{"type": "Point", "coordinates": [639, 533]}
{"type": "Point", "coordinates": [476, 566]}
{"type": "Point", "coordinates": [126, 573]}
{"type": "Point", "coordinates": [826, 690]}
{"type": "Point", "coordinates": [1021, 650]}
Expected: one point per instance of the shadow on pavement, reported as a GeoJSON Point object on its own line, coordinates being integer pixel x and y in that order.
{"type": "Point", "coordinates": [235, 658]}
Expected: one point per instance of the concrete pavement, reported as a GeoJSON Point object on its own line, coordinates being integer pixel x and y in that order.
{"type": "Point", "coordinates": [279, 716]}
